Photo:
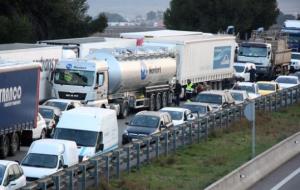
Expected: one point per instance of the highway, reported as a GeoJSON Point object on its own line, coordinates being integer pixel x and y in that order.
{"type": "Point", "coordinates": [121, 123]}
{"type": "Point", "coordinates": [286, 177]}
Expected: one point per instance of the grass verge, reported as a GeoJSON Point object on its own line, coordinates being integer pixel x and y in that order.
{"type": "Point", "coordinates": [199, 165]}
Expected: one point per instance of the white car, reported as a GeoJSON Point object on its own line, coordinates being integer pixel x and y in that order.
{"type": "Point", "coordinates": [37, 132]}
{"type": "Point", "coordinates": [179, 115]}
{"type": "Point", "coordinates": [240, 96]}
{"type": "Point", "coordinates": [199, 109]}
{"type": "Point", "coordinates": [295, 61]}
{"type": "Point", "coordinates": [242, 71]}
{"type": "Point", "coordinates": [11, 175]}
{"type": "Point", "coordinates": [63, 104]}
{"type": "Point", "coordinates": [287, 81]}
{"type": "Point", "coordinates": [249, 87]}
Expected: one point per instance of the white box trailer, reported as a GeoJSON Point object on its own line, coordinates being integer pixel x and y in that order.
{"type": "Point", "coordinates": [158, 33]}
{"type": "Point", "coordinates": [82, 46]}
{"type": "Point", "coordinates": [47, 56]}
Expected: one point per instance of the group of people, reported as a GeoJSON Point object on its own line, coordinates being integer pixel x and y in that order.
{"type": "Point", "coordinates": [190, 90]}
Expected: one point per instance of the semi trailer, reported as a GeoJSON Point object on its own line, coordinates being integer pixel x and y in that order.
{"type": "Point", "coordinates": [122, 79]}
{"type": "Point", "coordinates": [19, 93]}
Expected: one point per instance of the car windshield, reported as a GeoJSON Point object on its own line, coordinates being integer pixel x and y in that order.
{"type": "Point", "coordinates": [196, 108]}
{"type": "Point", "coordinates": [265, 86]}
{"type": "Point", "coordinates": [46, 113]}
{"type": "Point", "coordinates": [62, 106]}
{"type": "Point", "coordinates": [209, 98]}
{"type": "Point", "coordinates": [175, 115]}
{"type": "Point", "coordinates": [239, 69]}
{"type": "Point", "coordinates": [74, 77]}
{"type": "Point", "coordinates": [249, 51]}
{"type": "Point", "coordinates": [295, 56]}
{"type": "Point", "coordinates": [81, 137]}
{"type": "Point", "coordinates": [40, 160]}
{"type": "Point", "coordinates": [145, 121]}
{"type": "Point", "coordinates": [237, 96]}
{"type": "Point", "coordinates": [249, 89]}
{"type": "Point", "coordinates": [286, 80]}
{"type": "Point", "coordinates": [2, 171]}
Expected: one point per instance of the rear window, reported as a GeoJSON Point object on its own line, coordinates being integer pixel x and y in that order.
{"type": "Point", "coordinates": [209, 98]}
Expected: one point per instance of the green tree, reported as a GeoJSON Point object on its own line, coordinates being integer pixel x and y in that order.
{"type": "Point", "coordinates": [99, 24]}
{"type": "Point", "coordinates": [215, 15]}
{"type": "Point", "coordinates": [114, 17]}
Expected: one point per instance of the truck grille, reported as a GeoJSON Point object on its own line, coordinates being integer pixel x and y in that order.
{"type": "Point", "coordinates": [72, 96]}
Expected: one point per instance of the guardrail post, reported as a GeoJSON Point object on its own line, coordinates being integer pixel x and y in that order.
{"type": "Point", "coordinates": [221, 119]}
{"type": "Point", "coordinates": [265, 103]}
{"type": "Point", "coordinates": [128, 158]}
{"type": "Point", "coordinates": [241, 112]}
{"type": "Point", "coordinates": [96, 172]}
{"type": "Point", "coordinates": [148, 150]}
{"type": "Point", "coordinates": [280, 99]}
{"type": "Point", "coordinates": [190, 133]}
{"type": "Point", "coordinates": [233, 114]}
{"type": "Point", "coordinates": [56, 180]}
{"type": "Point", "coordinates": [198, 130]}
{"type": "Point", "coordinates": [70, 182]}
{"type": "Point", "coordinates": [83, 176]}
{"type": "Point", "coordinates": [227, 118]}
{"type": "Point", "coordinates": [297, 93]}
{"type": "Point", "coordinates": [182, 135]}
{"type": "Point", "coordinates": [117, 160]}
{"type": "Point", "coordinates": [214, 122]}
{"type": "Point", "coordinates": [206, 127]}
{"type": "Point", "coordinates": [286, 99]}
{"type": "Point", "coordinates": [107, 172]}
{"type": "Point", "coordinates": [157, 146]}
{"type": "Point", "coordinates": [42, 185]}
{"type": "Point", "coordinates": [174, 139]}
{"type": "Point", "coordinates": [270, 103]}
{"type": "Point", "coordinates": [166, 137]}
{"type": "Point", "coordinates": [275, 102]}
{"type": "Point", "coordinates": [138, 148]}
{"type": "Point", "coordinates": [291, 96]}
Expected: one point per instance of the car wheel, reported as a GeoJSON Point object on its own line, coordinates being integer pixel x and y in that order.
{"type": "Point", "coordinates": [15, 144]}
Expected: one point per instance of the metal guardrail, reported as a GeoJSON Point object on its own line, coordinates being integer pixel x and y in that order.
{"type": "Point", "coordinates": [132, 156]}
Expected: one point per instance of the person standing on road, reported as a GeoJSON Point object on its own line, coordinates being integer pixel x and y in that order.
{"type": "Point", "coordinates": [177, 92]}
{"type": "Point", "coordinates": [252, 72]}
{"type": "Point", "coordinates": [189, 89]}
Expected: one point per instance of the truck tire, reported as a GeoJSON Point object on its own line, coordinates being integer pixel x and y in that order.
{"type": "Point", "coordinates": [124, 110]}
{"type": "Point", "coordinates": [152, 102]}
{"type": "Point", "coordinates": [14, 144]}
{"type": "Point", "coordinates": [158, 102]}
{"type": "Point", "coordinates": [4, 146]}
{"type": "Point", "coordinates": [164, 99]}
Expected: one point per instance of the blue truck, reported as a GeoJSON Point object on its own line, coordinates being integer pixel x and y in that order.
{"type": "Point", "coordinates": [19, 96]}
{"type": "Point", "coordinates": [292, 29]}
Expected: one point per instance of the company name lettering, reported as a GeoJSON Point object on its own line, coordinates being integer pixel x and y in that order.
{"type": "Point", "coordinates": [47, 64]}
{"type": "Point", "coordinates": [154, 70]}
{"type": "Point", "coordinates": [11, 96]}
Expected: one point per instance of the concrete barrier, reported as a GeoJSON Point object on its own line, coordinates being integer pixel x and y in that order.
{"type": "Point", "coordinates": [254, 170]}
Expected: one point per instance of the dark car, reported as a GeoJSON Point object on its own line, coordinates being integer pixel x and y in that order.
{"type": "Point", "coordinates": [146, 123]}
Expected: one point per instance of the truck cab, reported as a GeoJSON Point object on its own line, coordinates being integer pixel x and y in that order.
{"type": "Point", "coordinates": [48, 156]}
{"type": "Point", "coordinates": [95, 130]}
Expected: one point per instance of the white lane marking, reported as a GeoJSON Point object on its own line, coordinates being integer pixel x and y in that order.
{"type": "Point", "coordinates": [285, 180]}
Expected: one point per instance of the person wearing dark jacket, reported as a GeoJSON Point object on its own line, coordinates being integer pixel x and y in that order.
{"type": "Point", "coordinates": [177, 92]}
{"type": "Point", "coordinates": [252, 72]}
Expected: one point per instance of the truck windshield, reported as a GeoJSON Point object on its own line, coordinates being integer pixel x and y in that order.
{"type": "Point", "coordinates": [81, 137]}
{"type": "Point", "coordinates": [239, 69]}
{"type": "Point", "coordinates": [2, 171]}
{"type": "Point", "coordinates": [209, 98]}
{"type": "Point", "coordinates": [265, 86]}
{"type": "Point", "coordinates": [40, 160]}
{"type": "Point", "coordinates": [145, 121]}
{"type": "Point", "coordinates": [74, 77]}
{"type": "Point", "coordinates": [295, 56]}
{"type": "Point", "coordinates": [249, 51]}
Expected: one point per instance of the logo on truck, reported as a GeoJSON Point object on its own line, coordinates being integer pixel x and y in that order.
{"type": "Point", "coordinates": [222, 57]}
{"type": "Point", "coordinates": [11, 96]}
{"type": "Point", "coordinates": [47, 64]}
{"type": "Point", "coordinates": [144, 71]}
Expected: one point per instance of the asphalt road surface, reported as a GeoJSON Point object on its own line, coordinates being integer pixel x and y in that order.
{"type": "Point", "coordinates": [286, 177]}
{"type": "Point", "coordinates": [121, 123]}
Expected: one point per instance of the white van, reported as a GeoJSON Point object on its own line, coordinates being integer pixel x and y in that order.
{"type": "Point", "coordinates": [241, 71]}
{"type": "Point", "coordinates": [95, 130]}
{"type": "Point", "coordinates": [48, 156]}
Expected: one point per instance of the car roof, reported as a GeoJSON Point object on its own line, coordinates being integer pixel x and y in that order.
{"type": "Point", "coordinates": [7, 162]}
{"type": "Point", "coordinates": [289, 76]}
{"type": "Point", "coordinates": [218, 92]}
{"type": "Point", "coordinates": [266, 82]}
{"type": "Point", "coordinates": [245, 83]}
{"type": "Point", "coordinates": [197, 103]}
{"type": "Point", "coordinates": [63, 100]}
{"type": "Point", "coordinates": [55, 109]}
{"type": "Point", "coordinates": [239, 91]}
{"type": "Point", "coordinates": [179, 109]}
{"type": "Point", "coordinates": [152, 113]}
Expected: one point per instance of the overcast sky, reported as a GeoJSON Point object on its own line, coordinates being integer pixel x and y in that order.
{"type": "Point", "coordinates": [131, 8]}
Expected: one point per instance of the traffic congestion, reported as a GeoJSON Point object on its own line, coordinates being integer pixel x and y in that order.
{"type": "Point", "coordinates": [71, 113]}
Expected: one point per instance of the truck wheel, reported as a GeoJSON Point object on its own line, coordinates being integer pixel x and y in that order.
{"type": "Point", "coordinates": [170, 98]}
{"type": "Point", "coordinates": [124, 109]}
{"type": "Point", "coordinates": [43, 134]}
{"type": "Point", "coordinates": [14, 144]}
{"type": "Point", "coordinates": [4, 148]}
{"type": "Point", "coordinates": [158, 102]}
{"type": "Point", "coordinates": [152, 102]}
{"type": "Point", "coordinates": [164, 100]}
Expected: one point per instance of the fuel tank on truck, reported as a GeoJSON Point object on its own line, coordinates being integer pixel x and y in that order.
{"type": "Point", "coordinates": [132, 73]}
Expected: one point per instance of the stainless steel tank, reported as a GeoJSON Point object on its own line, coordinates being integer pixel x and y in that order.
{"type": "Point", "coordinates": [131, 74]}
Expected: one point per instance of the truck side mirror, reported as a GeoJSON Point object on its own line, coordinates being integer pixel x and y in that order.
{"type": "Point", "coordinates": [100, 147]}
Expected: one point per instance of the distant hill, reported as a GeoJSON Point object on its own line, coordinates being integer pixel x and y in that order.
{"type": "Point", "coordinates": [127, 8]}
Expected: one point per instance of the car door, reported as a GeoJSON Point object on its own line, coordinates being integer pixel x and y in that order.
{"type": "Point", "coordinates": [20, 179]}
{"type": "Point", "coordinates": [40, 125]}
{"type": "Point", "coordinates": [10, 182]}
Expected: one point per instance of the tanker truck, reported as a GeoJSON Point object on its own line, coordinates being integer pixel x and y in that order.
{"type": "Point", "coordinates": [121, 80]}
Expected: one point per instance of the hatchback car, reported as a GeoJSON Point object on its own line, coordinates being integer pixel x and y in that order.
{"type": "Point", "coordinates": [63, 104]}
{"type": "Point", "coordinates": [11, 175]}
{"type": "Point", "coordinates": [179, 115]}
{"type": "Point", "coordinates": [287, 81]}
{"type": "Point", "coordinates": [146, 123]}
{"type": "Point", "coordinates": [267, 87]}
{"type": "Point", "coordinates": [239, 96]}
{"type": "Point", "coordinates": [198, 109]}
{"type": "Point", "coordinates": [249, 87]}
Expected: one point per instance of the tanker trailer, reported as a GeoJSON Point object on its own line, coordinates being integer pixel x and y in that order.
{"type": "Point", "coordinates": [120, 81]}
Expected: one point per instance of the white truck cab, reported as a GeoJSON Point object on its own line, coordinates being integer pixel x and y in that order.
{"type": "Point", "coordinates": [48, 156]}
{"type": "Point", "coordinates": [95, 130]}
{"type": "Point", "coordinates": [241, 71]}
